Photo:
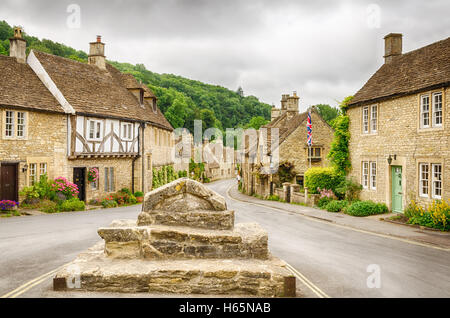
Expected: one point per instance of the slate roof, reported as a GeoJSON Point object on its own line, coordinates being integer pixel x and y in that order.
{"type": "Point", "coordinates": [91, 90]}
{"type": "Point", "coordinates": [412, 72]}
{"type": "Point", "coordinates": [20, 87]}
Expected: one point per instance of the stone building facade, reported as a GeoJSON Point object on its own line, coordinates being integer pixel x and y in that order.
{"type": "Point", "coordinates": [60, 117]}
{"type": "Point", "coordinates": [258, 174]}
{"type": "Point", "coordinates": [400, 127]}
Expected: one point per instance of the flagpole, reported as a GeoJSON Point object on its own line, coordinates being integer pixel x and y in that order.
{"type": "Point", "coordinates": [310, 156]}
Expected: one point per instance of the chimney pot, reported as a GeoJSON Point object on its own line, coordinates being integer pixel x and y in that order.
{"type": "Point", "coordinates": [392, 46]}
{"type": "Point", "coordinates": [18, 46]}
{"type": "Point", "coordinates": [99, 38]}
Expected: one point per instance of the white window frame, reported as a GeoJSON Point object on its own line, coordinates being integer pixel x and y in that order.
{"type": "Point", "coordinates": [21, 126]}
{"type": "Point", "coordinates": [437, 110]}
{"type": "Point", "coordinates": [422, 180]}
{"type": "Point", "coordinates": [42, 169]}
{"type": "Point", "coordinates": [365, 174]}
{"type": "Point", "coordinates": [127, 131]}
{"type": "Point", "coordinates": [436, 180]}
{"type": "Point", "coordinates": [32, 174]}
{"type": "Point", "coordinates": [374, 121]}
{"type": "Point", "coordinates": [97, 132]}
{"type": "Point", "coordinates": [365, 119]}
{"type": "Point", "coordinates": [423, 113]}
{"type": "Point", "coordinates": [9, 124]}
{"type": "Point", "coordinates": [373, 175]}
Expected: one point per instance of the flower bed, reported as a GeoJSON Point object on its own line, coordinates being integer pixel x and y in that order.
{"type": "Point", "coordinates": [436, 215]}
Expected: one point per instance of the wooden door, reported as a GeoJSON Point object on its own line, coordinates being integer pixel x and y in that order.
{"type": "Point", "coordinates": [8, 182]}
{"type": "Point", "coordinates": [79, 178]}
{"type": "Point", "coordinates": [397, 194]}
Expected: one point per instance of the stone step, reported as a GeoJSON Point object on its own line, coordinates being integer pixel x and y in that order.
{"type": "Point", "coordinates": [206, 219]}
{"type": "Point", "coordinates": [93, 271]}
{"type": "Point", "coordinates": [170, 242]}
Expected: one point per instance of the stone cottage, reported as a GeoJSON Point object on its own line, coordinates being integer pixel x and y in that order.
{"type": "Point", "coordinates": [399, 126]}
{"type": "Point", "coordinates": [62, 117]}
{"type": "Point", "coordinates": [258, 172]}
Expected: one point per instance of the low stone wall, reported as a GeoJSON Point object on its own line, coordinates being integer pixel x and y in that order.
{"type": "Point", "coordinates": [279, 192]}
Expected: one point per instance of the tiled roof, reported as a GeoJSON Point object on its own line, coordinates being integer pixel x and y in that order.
{"type": "Point", "coordinates": [91, 90]}
{"type": "Point", "coordinates": [20, 87]}
{"type": "Point", "coordinates": [411, 72]}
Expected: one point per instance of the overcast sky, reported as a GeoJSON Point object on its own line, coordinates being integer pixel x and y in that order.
{"type": "Point", "coordinates": [324, 50]}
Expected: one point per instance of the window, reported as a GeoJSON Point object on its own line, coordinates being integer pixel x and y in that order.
{"type": "Point", "coordinates": [425, 111]}
{"type": "Point", "coordinates": [42, 169]}
{"type": "Point", "coordinates": [127, 131]}
{"type": "Point", "coordinates": [94, 185]}
{"type": "Point", "coordinates": [9, 124]}
{"type": "Point", "coordinates": [437, 109]}
{"type": "Point", "coordinates": [365, 174]}
{"type": "Point", "coordinates": [141, 97]}
{"type": "Point", "coordinates": [95, 130]}
{"type": "Point", "coordinates": [423, 179]}
{"type": "Point", "coordinates": [32, 174]}
{"type": "Point", "coordinates": [20, 124]}
{"type": "Point", "coordinates": [373, 175]}
{"type": "Point", "coordinates": [373, 118]}
{"type": "Point", "coordinates": [366, 120]}
{"type": "Point", "coordinates": [109, 180]}
{"type": "Point", "coordinates": [436, 181]}
{"type": "Point", "coordinates": [314, 153]}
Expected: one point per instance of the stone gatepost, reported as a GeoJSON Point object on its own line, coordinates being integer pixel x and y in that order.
{"type": "Point", "coordinates": [286, 192]}
{"type": "Point", "coordinates": [306, 195]}
{"type": "Point", "coordinates": [294, 188]}
{"type": "Point", "coordinates": [184, 242]}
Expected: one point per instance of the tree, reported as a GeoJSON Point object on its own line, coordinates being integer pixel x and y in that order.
{"type": "Point", "coordinates": [240, 91]}
{"type": "Point", "coordinates": [327, 112]}
{"type": "Point", "coordinates": [256, 122]}
{"type": "Point", "coordinates": [339, 153]}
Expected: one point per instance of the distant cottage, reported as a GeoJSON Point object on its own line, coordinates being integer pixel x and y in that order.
{"type": "Point", "coordinates": [61, 117]}
{"type": "Point", "coordinates": [400, 126]}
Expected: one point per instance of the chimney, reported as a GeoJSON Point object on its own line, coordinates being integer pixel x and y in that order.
{"type": "Point", "coordinates": [392, 47]}
{"type": "Point", "coordinates": [18, 46]}
{"type": "Point", "coordinates": [97, 53]}
{"type": "Point", "coordinates": [292, 105]}
{"type": "Point", "coordinates": [284, 98]}
{"type": "Point", "coordinates": [274, 113]}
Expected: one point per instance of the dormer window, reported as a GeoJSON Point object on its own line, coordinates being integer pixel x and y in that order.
{"type": "Point", "coordinates": [141, 97]}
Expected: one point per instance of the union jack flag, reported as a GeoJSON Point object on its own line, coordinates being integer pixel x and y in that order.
{"type": "Point", "coordinates": [309, 130]}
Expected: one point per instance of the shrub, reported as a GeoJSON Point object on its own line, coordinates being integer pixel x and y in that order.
{"type": "Point", "coordinates": [436, 215]}
{"type": "Point", "coordinates": [65, 187]}
{"type": "Point", "coordinates": [322, 178]}
{"type": "Point", "coordinates": [336, 206]}
{"type": "Point", "coordinates": [109, 202]}
{"type": "Point", "coordinates": [45, 189]}
{"type": "Point", "coordinates": [8, 205]}
{"type": "Point", "coordinates": [48, 206]}
{"type": "Point", "coordinates": [126, 190]}
{"type": "Point", "coordinates": [73, 204]}
{"type": "Point", "coordinates": [323, 202]}
{"type": "Point", "coordinates": [273, 198]}
{"type": "Point", "coordinates": [139, 194]}
{"type": "Point", "coordinates": [365, 208]}
{"type": "Point", "coordinates": [95, 202]}
{"type": "Point", "coordinates": [348, 189]}
{"type": "Point", "coordinates": [30, 193]}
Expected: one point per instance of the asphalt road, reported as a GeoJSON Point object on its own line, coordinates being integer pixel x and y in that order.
{"type": "Point", "coordinates": [334, 259]}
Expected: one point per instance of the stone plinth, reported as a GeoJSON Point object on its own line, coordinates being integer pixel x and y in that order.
{"type": "Point", "coordinates": [184, 241]}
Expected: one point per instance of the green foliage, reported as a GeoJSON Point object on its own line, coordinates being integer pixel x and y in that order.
{"type": "Point", "coordinates": [73, 204]}
{"type": "Point", "coordinates": [126, 191]}
{"type": "Point", "coordinates": [48, 206]}
{"type": "Point", "coordinates": [139, 194]}
{"type": "Point", "coordinates": [323, 202]}
{"type": "Point", "coordinates": [327, 112]}
{"type": "Point", "coordinates": [256, 122]}
{"type": "Point", "coordinates": [286, 171]}
{"type": "Point", "coordinates": [339, 154]}
{"type": "Point", "coordinates": [197, 168]}
{"type": "Point", "coordinates": [336, 206]}
{"type": "Point", "coordinates": [109, 202]}
{"type": "Point", "coordinates": [29, 193]}
{"type": "Point", "coordinates": [273, 197]}
{"type": "Point", "coordinates": [322, 178]}
{"type": "Point", "coordinates": [348, 189]}
{"type": "Point", "coordinates": [365, 208]}
{"type": "Point", "coordinates": [436, 215]}
{"type": "Point", "coordinates": [182, 174]}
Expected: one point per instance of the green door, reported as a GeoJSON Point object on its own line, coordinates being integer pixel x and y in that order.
{"type": "Point", "coordinates": [397, 194]}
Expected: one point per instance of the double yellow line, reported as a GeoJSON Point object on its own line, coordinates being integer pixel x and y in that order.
{"type": "Point", "coordinates": [316, 290]}
{"type": "Point", "coordinates": [32, 283]}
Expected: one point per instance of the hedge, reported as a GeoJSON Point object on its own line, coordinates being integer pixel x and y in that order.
{"type": "Point", "coordinates": [365, 208]}
{"type": "Point", "coordinates": [322, 178]}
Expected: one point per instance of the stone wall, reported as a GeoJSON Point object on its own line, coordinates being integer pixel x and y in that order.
{"type": "Point", "coordinates": [399, 133]}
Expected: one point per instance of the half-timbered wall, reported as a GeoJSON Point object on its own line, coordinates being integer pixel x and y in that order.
{"type": "Point", "coordinates": [99, 136]}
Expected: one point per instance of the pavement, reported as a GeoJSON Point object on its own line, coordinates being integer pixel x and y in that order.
{"type": "Point", "coordinates": [331, 255]}
{"type": "Point", "coordinates": [374, 224]}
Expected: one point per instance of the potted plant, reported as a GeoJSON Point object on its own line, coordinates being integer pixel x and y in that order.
{"type": "Point", "coordinates": [139, 196]}
{"type": "Point", "coordinates": [92, 175]}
